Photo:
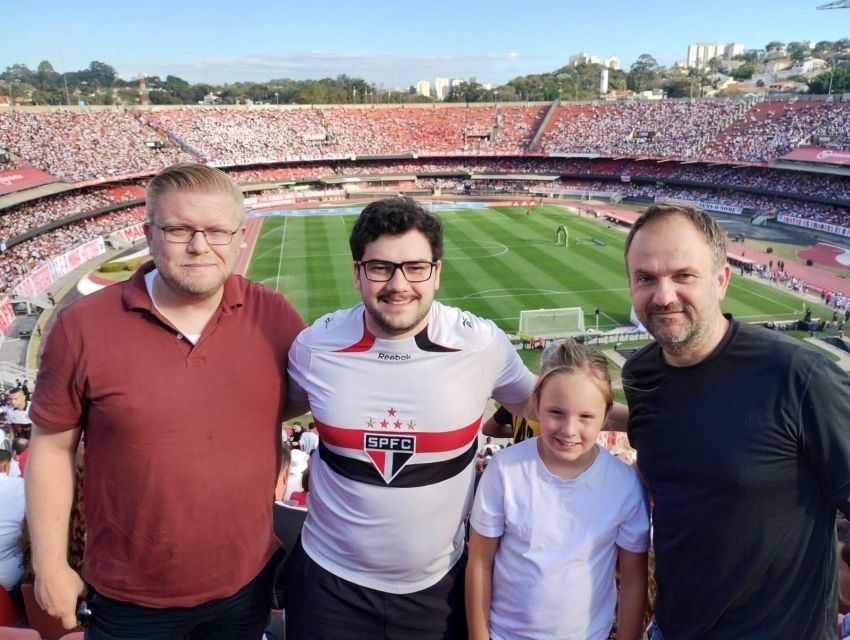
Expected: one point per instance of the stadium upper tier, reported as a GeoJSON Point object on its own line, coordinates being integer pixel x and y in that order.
{"type": "Point", "coordinates": [88, 144]}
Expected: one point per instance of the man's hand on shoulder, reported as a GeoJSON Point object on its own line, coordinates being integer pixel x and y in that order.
{"type": "Point", "coordinates": [57, 592]}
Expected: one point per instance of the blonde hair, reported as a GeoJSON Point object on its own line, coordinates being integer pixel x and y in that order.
{"type": "Point", "coordinates": [192, 177]}
{"type": "Point", "coordinates": [570, 357]}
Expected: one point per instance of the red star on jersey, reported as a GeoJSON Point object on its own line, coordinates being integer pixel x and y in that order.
{"type": "Point", "coordinates": [391, 411]}
{"type": "Point", "coordinates": [384, 424]}
{"type": "Point", "coordinates": [397, 424]}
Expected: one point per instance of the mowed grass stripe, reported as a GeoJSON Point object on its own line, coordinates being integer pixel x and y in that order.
{"type": "Point", "coordinates": [500, 271]}
{"type": "Point", "coordinates": [324, 272]}
{"type": "Point", "coordinates": [266, 255]}
{"type": "Point", "coordinates": [461, 275]}
{"type": "Point", "coordinates": [479, 275]}
{"type": "Point", "coordinates": [590, 268]}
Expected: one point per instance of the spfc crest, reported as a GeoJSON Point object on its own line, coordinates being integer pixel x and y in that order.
{"type": "Point", "coordinates": [389, 452]}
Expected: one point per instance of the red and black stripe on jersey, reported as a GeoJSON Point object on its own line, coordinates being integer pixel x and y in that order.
{"type": "Point", "coordinates": [410, 474]}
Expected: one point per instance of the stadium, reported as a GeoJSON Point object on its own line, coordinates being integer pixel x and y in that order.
{"type": "Point", "coordinates": [503, 176]}
{"type": "Point", "coordinates": [535, 198]}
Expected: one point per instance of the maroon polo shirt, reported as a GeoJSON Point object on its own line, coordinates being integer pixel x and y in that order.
{"type": "Point", "coordinates": [182, 441]}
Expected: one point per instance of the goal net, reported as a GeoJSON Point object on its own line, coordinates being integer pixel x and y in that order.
{"type": "Point", "coordinates": [552, 323]}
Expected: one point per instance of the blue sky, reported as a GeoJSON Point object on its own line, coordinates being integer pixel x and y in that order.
{"type": "Point", "coordinates": [393, 43]}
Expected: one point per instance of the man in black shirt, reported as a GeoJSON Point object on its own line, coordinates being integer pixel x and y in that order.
{"type": "Point", "coordinates": [742, 437]}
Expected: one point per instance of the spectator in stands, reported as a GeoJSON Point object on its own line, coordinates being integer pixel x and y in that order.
{"type": "Point", "coordinates": [300, 497]}
{"type": "Point", "coordinates": [309, 439]}
{"type": "Point", "coordinates": [489, 448]}
{"type": "Point", "coordinates": [152, 535]}
{"type": "Point", "coordinates": [6, 434]}
{"type": "Point", "coordinates": [17, 412]}
{"type": "Point", "coordinates": [20, 454]}
{"type": "Point", "coordinates": [297, 432]}
{"type": "Point", "coordinates": [283, 474]}
{"type": "Point", "coordinates": [365, 569]}
{"type": "Point", "coordinates": [740, 434]}
{"type": "Point", "coordinates": [527, 540]}
{"type": "Point", "coordinates": [297, 466]}
{"type": "Point", "coordinates": [11, 520]}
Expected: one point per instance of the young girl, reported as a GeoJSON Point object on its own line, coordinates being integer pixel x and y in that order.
{"type": "Point", "coordinates": [552, 517]}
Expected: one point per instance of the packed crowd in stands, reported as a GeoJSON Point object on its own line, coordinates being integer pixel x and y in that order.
{"type": "Point", "coordinates": [85, 145]}
{"type": "Point", "coordinates": [99, 144]}
{"type": "Point", "coordinates": [17, 220]}
{"type": "Point", "coordinates": [21, 260]}
{"type": "Point", "coordinates": [109, 143]}
{"type": "Point", "coordinates": [828, 186]}
{"type": "Point", "coordinates": [244, 136]}
{"type": "Point", "coordinates": [660, 129]}
{"type": "Point", "coordinates": [289, 172]}
{"type": "Point", "coordinates": [809, 210]}
{"type": "Point", "coordinates": [770, 130]}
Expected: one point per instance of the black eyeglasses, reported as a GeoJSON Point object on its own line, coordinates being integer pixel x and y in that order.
{"type": "Point", "coordinates": [185, 235]}
{"type": "Point", "coordinates": [383, 271]}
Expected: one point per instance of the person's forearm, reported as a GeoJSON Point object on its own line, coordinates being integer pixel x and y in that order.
{"type": "Point", "coordinates": [49, 497]}
{"type": "Point", "coordinates": [631, 604]}
{"type": "Point", "coordinates": [478, 592]}
{"type": "Point", "coordinates": [630, 613]}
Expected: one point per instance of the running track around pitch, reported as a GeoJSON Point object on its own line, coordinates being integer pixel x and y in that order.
{"type": "Point", "coordinates": [252, 232]}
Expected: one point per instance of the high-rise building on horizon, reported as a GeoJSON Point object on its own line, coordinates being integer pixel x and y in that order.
{"type": "Point", "coordinates": [582, 57]}
{"type": "Point", "coordinates": [441, 88]}
{"type": "Point", "coordinates": [423, 88]}
{"type": "Point", "coordinates": [699, 54]}
{"type": "Point", "coordinates": [733, 49]}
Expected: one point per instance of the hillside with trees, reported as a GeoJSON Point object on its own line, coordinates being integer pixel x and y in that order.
{"type": "Point", "coordinates": [100, 84]}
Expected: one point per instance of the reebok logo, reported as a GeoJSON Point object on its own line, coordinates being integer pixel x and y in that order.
{"type": "Point", "coordinates": [394, 356]}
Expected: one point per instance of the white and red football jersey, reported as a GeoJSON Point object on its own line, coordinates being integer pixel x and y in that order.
{"type": "Point", "coordinates": [398, 422]}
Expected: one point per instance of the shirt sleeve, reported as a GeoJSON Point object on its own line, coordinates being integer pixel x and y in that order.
{"type": "Point", "coordinates": [488, 509]}
{"type": "Point", "coordinates": [824, 410]}
{"type": "Point", "coordinates": [298, 368]}
{"type": "Point", "coordinates": [57, 402]}
{"type": "Point", "coordinates": [514, 382]}
{"type": "Point", "coordinates": [633, 532]}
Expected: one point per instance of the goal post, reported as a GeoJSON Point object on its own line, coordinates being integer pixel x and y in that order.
{"type": "Point", "coordinates": [552, 323]}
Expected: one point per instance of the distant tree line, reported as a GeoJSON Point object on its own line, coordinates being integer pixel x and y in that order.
{"type": "Point", "coordinates": [100, 84]}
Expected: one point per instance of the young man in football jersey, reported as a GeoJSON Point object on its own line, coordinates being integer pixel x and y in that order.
{"type": "Point", "coordinates": [397, 386]}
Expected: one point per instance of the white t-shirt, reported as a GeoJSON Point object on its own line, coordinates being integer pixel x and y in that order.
{"type": "Point", "coordinates": [150, 276]}
{"type": "Point", "coordinates": [309, 442]}
{"type": "Point", "coordinates": [553, 574]}
{"type": "Point", "coordinates": [12, 507]}
{"type": "Point", "coordinates": [399, 423]}
{"type": "Point", "coordinates": [18, 416]}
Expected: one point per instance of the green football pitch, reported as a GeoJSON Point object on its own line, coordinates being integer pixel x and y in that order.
{"type": "Point", "coordinates": [497, 261]}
